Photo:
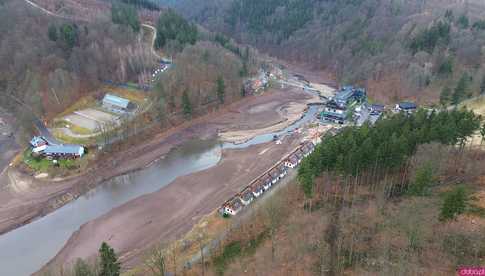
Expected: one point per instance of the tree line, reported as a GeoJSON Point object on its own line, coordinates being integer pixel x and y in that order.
{"type": "Point", "coordinates": [387, 145]}
{"type": "Point", "coordinates": [124, 14]}
{"type": "Point", "coordinates": [146, 4]}
{"type": "Point", "coordinates": [173, 27]}
{"type": "Point", "coordinates": [428, 39]}
{"type": "Point", "coordinates": [280, 18]}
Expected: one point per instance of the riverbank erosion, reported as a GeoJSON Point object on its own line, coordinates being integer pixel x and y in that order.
{"type": "Point", "coordinates": [26, 198]}
{"type": "Point", "coordinates": [172, 211]}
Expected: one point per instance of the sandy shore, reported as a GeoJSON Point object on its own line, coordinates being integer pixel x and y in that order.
{"type": "Point", "coordinates": [172, 211]}
{"type": "Point", "coordinates": [27, 198]}
{"type": "Point", "coordinates": [289, 112]}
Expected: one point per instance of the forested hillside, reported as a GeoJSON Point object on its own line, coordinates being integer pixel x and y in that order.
{"type": "Point", "coordinates": [397, 48]}
{"type": "Point", "coordinates": [49, 62]}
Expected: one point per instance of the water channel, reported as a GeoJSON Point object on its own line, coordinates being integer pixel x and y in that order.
{"type": "Point", "coordinates": [26, 249]}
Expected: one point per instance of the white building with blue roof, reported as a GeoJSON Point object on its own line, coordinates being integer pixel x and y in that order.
{"type": "Point", "coordinates": [115, 104]}
{"type": "Point", "coordinates": [64, 151]}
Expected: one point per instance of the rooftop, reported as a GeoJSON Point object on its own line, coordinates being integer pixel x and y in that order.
{"type": "Point", "coordinates": [407, 105]}
{"type": "Point", "coordinates": [115, 100]}
{"type": "Point", "coordinates": [64, 149]}
{"type": "Point", "coordinates": [37, 140]}
{"type": "Point", "coordinates": [344, 93]}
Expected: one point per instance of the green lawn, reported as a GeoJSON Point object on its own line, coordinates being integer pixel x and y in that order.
{"type": "Point", "coordinates": [37, 164]}
{"type": "Point", "coordinates": [43, 165]}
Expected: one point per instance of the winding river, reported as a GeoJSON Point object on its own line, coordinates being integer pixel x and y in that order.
{"type": "Point", "coordinates": [26, 249]}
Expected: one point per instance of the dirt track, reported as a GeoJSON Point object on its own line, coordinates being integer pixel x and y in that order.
{"type": "Point", "coordinates": [20, 204]}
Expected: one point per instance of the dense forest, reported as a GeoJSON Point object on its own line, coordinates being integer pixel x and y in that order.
{"type": "Point", "coordinates": [395, 48]}
{"type": "Point", "coordinates": [387, 145]}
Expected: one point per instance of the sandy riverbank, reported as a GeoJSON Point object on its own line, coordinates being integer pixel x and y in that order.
{"type": "Point", "coordinates": [172, 211]}
{"type": "Point", "coordinates": [290, 112]}
{"type": "Point", "coordinates": [37, 197]}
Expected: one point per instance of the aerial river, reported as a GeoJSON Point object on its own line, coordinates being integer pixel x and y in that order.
{"type": "Point", "coordinates": [26, 249]}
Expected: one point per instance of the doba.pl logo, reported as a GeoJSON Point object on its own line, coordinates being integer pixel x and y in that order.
{"type": "Point", "coordinates": [471, 271]}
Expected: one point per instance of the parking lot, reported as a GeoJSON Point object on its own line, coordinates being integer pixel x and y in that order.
{"type": "Point", "coordinates": [91, 118]}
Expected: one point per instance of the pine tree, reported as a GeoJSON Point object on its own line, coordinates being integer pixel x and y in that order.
{"type": "Point", "coordinates": [186, 105]}
{"type": "Point", "coordinates": [422, 181]}
{"type": "Point", "coordinates": [52, 33]}
{"type": "Point", "coordinates": [461, 89]}
{"type": "Point", "coordinates": [221, 89]}
{"type": "Point", "coordinates": [108, 261]}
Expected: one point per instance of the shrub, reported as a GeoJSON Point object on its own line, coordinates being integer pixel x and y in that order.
{"type": "Point", "coordinates": [423, 180]}
{"type": "Point", "coordinates": [454, 204]}
{"type": "Point", "coordinates": [230, 252]}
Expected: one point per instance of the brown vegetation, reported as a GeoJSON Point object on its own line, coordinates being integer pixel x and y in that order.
{"type": "Point", "coordinates": [360, 41]}
{"type": "Point", "coordinates": [354, 227]}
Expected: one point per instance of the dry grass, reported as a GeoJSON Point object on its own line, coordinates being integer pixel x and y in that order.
{"type": "Point", "coordinates": [136, 96]}
{"type": "Point", "coordinates": [82, 103]}
{"type": "Point", "coordinates": [476, 104]}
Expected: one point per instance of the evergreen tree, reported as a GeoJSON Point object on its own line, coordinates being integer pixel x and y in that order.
{"type": "Point", "coordinates": [463, 22]}
{"type": "Point", "coordinates": [172, 26]}
{"type": "Point", "coordinates": [422, 181]}
{"type": "Point", "coordinates": [449, 16]}
{"type": "Point", "coordinates": [221, 89]}
{"type": "Point", "coordinates": [454, 204]}
{"type": "Point", "coordinates": [109, 264]}
{"type": "Point", "coordinates": [124, 14]}
{"type": "Point", "coordinates": [186, 105]}
{"type": "Point", "coordinates": [446, 67]}
{"type": "Point", "coordinates": [461, 90]}
{"type": "Point", "coordinates": [69, 35]}
{"type": "Point", "coordinates": [52, 33]}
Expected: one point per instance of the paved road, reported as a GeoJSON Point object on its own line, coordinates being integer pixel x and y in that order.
{"type": "Point", "coordinates": [44, 131]}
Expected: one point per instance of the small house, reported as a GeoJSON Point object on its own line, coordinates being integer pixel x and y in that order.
{"type": "Point", "coordinates": [38, 141]}
{"type": "Point", "coordinates": [299, 154]}
{"type": "Point", "coordinates": [267, 182]}
{"type": "Point", "coordinates": [305, 150]}
{"type": "Point", "coordinates": [63, 151]}
{"type": "Point", "coordinates": [283, 170]}
{"type": "Point", "coordinates": [275, 175]}
{"type": "Point", "coordinates": [246, 196]}
{"type": "Point", "coordinates": [233, 206]}
{"type": "Point", "coordinates": [115, 104]}
{"type": "Point", "coordinates": [292, 161]}
{"type": "Point", "coordinates": [407, 107]}
{"type": "Point", "coordinates": [257, 188]}
{"type": "Point", "coordinates": [376, 109]}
